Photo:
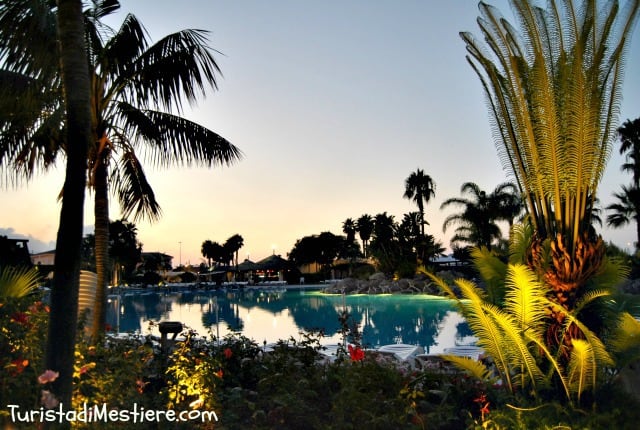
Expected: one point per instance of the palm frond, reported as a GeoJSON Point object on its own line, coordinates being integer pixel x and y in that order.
{"type": "Point", "coordinates": [481, 317]}
{"type": "Point", "coordinates": [514, 347]}
{"type": "Point", "coordinates": [492, 270]}
{"type": "Point", "coordinates": [169, 140]}
{"type": "Point", "coordinates": [133, 190]}
{"type": "Point", "coordinates": [582, 369]}
{"type": "Point", "coordinates": [473, 367]}
{"type": "Point", "coordinates": [625, 340]}
{"type": "Point", "coordinates": [16, 282]}
{"type": "Point", "coordinates": [178, 67]}
{"type": "Point", "coordinates": [520, 242]}
{"type": "Point", "coordinates": [525, 299]}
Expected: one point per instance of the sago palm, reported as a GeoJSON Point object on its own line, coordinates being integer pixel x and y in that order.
{"type": "Point", "coordinates": [553, 93]}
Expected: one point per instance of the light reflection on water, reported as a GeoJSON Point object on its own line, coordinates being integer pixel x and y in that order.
{"type": "Point", "coordinates": [268, 316]}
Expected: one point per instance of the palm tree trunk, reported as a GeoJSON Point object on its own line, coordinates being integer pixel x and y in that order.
{"type": "Point", "coordinates": [64, 295]}
{"type": "Point", "coordinates": [101, 214]}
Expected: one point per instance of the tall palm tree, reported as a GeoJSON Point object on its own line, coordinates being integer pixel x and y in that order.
{"type": "Point", "coordinates": [133, 87]}
{"type": "Point", "coordinates": [365, 229]}
{"type": "Point", "coordinates": [626, 210]}
{"type": "Point", "coordinates": [421, 188]}
{"type": "Point", "coordinates": [60, 348]}
{"type": "Point", "coordinates": [553, 91]}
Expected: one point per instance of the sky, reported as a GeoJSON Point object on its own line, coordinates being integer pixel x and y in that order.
{"type": "Point", "coordinates": [333, 104]}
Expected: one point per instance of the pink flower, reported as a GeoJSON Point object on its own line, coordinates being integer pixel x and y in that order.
{"type": "Point", "coordinates": [48, 400]}
{"type": "Point", "coordinates": [48, 376]}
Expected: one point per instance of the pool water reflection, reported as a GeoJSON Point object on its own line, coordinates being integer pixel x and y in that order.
{"type": "Point", "coordinates": [268, 316]}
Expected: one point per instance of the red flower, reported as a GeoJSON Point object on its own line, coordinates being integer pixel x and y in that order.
{"type": "Point", "coordinates": [20, 318]}
{"type": "Point", "coordinates": [107, 327]}
{"type": "Point", "coordinates": [356, 354]}
{"type": "Point", "coordinates": [228, 353]}
{"type": "Point", "coordinates": [18, 365]}
{"type": "Point", "coordinates": [219, 373]}
{"type": "Point", "coordinates": [484, 405]}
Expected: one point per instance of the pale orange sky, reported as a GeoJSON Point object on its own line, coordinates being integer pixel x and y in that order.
{"type": "Point", "coordinates": [334, 104]}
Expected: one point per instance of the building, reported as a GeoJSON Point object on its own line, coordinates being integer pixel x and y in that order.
{"type": "Point", "coordinates": [45, 258]}
{"type": "Point", "coordinates": [14, 252]}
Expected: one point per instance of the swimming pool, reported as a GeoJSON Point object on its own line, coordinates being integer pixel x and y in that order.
{"type": "Point", "coordinates": [271, 315]}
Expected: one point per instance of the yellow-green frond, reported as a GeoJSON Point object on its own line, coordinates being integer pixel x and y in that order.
{"type": "Point", "coordinates": [440, 283]}
{"type": "Point", "coordinates": [582, 369]}
{"type": "Point", "coordinates": [611, 273]}
{"type": "Point", "coordinates": [473, 367]}
{"type": "Point", "coordinates": [492, 271]}
{"type": "Point", "coordinates": [525, 298]}
{"type": "Point", "coordinates": [520, 242]}
{"type": "Point", "coordinates": [589, 297]}
{"type": "Point", "coordinates": [18, 282]}
{"type": "Point", "coordinates": [625, 340]}
{"type": "Point", "coordinates": [514, 348]}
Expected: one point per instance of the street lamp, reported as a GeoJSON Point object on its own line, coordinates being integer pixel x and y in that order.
{"type": "Point", "coordinates": [180, 253]}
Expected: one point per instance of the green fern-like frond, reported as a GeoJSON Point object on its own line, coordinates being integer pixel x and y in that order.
{"type": "Point", "coordinates": [582, 369]}
{"type": "Point", "coordinates": [611, 273]}
{"type": "Point", "coordinates": [520, 242]}
{"type": "Point", "coordinates": [525, 299]}
{"type": "Point", "coordinates": [490, 337]}
{"type": "Point", "coordinates": [492, 271]}
{"type": "Point", "coordinates": [440, 283]}
{"type": "Point", "coordinates": [589, 297]}
{"type": "Point", "coordinates": [518, 358]}
{"type": "Point", "coordinates": [473, 367]}
{"type": "Point", "coordinates": [625, 340]}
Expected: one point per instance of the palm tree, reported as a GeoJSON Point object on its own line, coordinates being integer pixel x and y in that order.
{"type": "Point", "coordinates": [233, 245]}
{"type": "Point", "coordinates": [477, 222]}
{"type": "Point", "coordinates": [124, 249]}
{"type": "Point", "coordinates": [626, 210]}
{"type": "Point", "coordinates": [553, 94]}
{"type": "Point", "coordinates": [349, 228]}
{"type": "Point", "coordinates": [629, 134]}
{"type": "Point", "coordinates": [365, 229]}
{"type": "Point", "coordinates": [628, 206]}
{"type": "Point", "coordinates": [420, 188]}
{"type": "Point", "coordinates": [208, 250]}
{"type": "Point", "coordinates": [133, 86]}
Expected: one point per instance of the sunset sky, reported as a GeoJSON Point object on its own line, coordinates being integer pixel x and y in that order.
{"type": "Point", "coordinates": [333, 103]}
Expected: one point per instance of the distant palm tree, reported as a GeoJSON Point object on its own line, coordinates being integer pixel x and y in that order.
{"type": "Point", "coordinates": [349, 228]}
{"type": "Point", "coordinates": [365, 229]}
{"type": "Point", "coordinates": [421, 189]}
{"type": "Point", "coordinates": [233, 245]}
{"type": "Point", "coordinates": [629, 134]}
{"type": "Point", "coordinates": [477, 221]}
{"type": "Point", "coordinates": [208, 251]}
{"type": "Point", "coordinates": [626, 210]}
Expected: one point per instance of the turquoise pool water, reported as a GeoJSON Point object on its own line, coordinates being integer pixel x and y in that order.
{"type": "Point", "coordinates": [268, 316]}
